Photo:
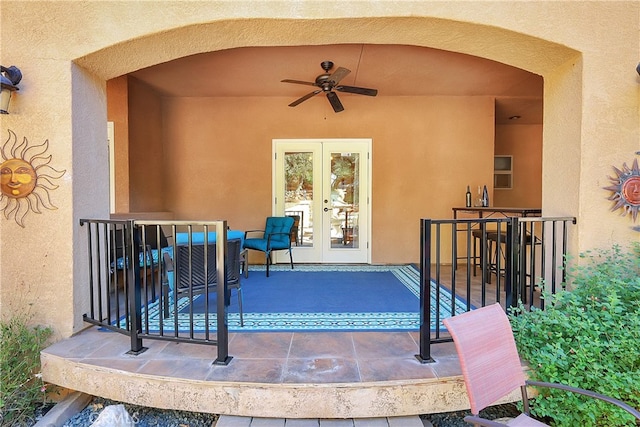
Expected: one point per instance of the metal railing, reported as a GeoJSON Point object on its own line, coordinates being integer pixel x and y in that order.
{"type": "Point", "coordinates": [129, 288]}
{"type": "Point", "coordinates": [478, 261]}
{"type": "Point", "coordinates": [482, 261]}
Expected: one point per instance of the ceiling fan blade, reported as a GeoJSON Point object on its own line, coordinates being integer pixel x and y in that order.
{"type": "Point", "coordinates": [338, 75]}
{"type": "Point", "coordinates": [304, 98]}
{"type": "Point", "coordinates": [335, 102]}
{"type": "Point", "coordinates": [357, 90]}
{"type": "Point", "coordinates": [299, 82]}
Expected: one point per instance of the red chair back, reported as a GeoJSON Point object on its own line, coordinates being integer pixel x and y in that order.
{"type": "Point", "coordinates": [488, 355]}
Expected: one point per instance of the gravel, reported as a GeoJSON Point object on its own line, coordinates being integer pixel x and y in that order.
{"type": "Point", "coordinates": [152, 417]}
{"type": "Point", "coordinates": [456, 419]}
{"type": "Point", "coordinates": [142, 416]}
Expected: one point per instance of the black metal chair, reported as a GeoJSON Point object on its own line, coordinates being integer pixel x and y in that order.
{"type": "Point", "coordinates": [297, 231]}
{"type": "Point", "coordinates": [152, 240]}
{"type": "Point", "coordinates": [194, 274]}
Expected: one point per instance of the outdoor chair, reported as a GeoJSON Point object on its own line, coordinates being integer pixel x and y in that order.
{"type": "Point", "coordinates": [190, 273]}
{"type": "Point", "coordinates": [152, 243]}
{"type": "Point", "coordinates": [276, 236]}
{"type": "Point", "coordinates": [295, 230]}
{"type": "Point", "coordinates": [491, 366]}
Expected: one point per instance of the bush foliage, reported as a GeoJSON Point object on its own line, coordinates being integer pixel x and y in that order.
{"type": "Point", "coordinates": [588, 337]}
{"type": "Point", "coordinates": [21, 387]}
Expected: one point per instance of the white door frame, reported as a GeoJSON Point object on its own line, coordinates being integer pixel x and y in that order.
{"type": "Point", "coordinates": [323, 252]}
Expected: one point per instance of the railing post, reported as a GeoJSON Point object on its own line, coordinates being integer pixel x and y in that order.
{"type": "Point", "coordinates": [512, 289]}
{"type": "Point", "coordinates": [132, 261]}
{"type": "Point", "coordinates": [526, 241]}
{"type": "Point", "coordinates": [425, 292]}
{"type": "Point", "coordinates": [222, 289]}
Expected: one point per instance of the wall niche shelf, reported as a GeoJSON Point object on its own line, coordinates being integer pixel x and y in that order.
{"type": "Point", "coordinates": [502, 172]}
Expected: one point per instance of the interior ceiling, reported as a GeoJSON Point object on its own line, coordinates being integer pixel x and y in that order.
{"type": "Point", "coordinates": [395, 70]}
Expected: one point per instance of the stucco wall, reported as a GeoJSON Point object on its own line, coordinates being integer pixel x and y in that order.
{"type": "Point", "coordinates": [586, 52]}
{"type": "Point", "coordinates": [219, 160]}
{"type": "Point", "coordinates": [146, 173]}
{"type": "Point", "coordinates": [524, 143]}
{"type": "Point", "coordinates": [118, 113]}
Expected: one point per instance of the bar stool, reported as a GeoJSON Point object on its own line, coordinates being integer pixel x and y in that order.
{"type": "Point", "coordinates": [497, 258]}
{"type": "Point", "coordinates": [479, 250]}
{"type": "Point", "coordinates": [496, 254]}
{"type": "Point", "coordinates": [477, 257]}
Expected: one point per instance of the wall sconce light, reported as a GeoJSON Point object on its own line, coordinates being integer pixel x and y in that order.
{"type": "Point", "coordinates": [9, 78]}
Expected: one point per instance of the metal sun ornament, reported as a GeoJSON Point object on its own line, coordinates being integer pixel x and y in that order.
{"type": "Point", "coordinates": [626, 190]}
{"type": "Point", "coordinates": [25, 178]}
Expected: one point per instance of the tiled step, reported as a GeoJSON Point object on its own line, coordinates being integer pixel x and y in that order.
{"type": "Point", "coordinates": [234, 421]}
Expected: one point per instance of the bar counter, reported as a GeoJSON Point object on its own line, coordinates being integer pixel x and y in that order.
{"type": "Point", "coordinates": [486, 212]}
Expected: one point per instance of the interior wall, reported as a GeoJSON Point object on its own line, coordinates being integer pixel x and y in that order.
{"type": "Point", "coordinates": [208, 158]}
{"type": "Point", "coordinates": [118, 113]}
{"type": "Point", "coordinates": [524, 143]}
{"type": "Point", "coordinates": [146, 168]}
{"type": "Point", "coordinates": [218, 155]}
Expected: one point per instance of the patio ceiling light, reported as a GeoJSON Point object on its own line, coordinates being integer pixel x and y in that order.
{"type": "Point", "coordinates": [9, 78]}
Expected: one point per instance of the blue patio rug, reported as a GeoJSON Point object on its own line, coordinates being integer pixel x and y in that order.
{"type": "Point", "coordinates": [317, 298]}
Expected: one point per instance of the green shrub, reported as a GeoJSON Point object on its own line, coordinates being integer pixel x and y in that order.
{"type": "Point", "coordinates": [21, 387]}
{"type": "Point", "coordinates": [588, 337]}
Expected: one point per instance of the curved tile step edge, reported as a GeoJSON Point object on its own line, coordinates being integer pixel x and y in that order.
{"type": "Point", "coordinates": [335, 400]}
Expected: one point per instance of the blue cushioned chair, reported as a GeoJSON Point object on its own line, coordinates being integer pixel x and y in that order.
{"type": "Point", "coordinates": [276, 236]}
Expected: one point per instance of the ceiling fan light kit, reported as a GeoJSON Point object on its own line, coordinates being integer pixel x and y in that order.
{"type": "Point", "coordinates": [329, 83]}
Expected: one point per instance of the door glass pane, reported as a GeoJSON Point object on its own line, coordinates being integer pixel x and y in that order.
{"type": "Point", "coordinates": [345, 170]}
{"type": "Point", "coordinates": [298, 195]}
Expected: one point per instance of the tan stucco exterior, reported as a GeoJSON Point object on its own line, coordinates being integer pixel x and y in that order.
{"type": "Point", "coordinates": [585, 51]}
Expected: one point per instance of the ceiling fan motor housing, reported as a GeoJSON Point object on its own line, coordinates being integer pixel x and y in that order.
{"type": "Point", "coordinates": [323, 81]}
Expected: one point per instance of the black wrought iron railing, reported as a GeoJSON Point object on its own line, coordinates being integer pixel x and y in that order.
{"type": "Point", "coordinates": [131, 289]}
{"type": "Point", "coordinates": [482, 261]}
{"type": "Point", "coordinates": [476, 262]}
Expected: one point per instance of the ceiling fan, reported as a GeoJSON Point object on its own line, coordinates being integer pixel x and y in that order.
{"type": "Point", "coordinates": [327, 83]}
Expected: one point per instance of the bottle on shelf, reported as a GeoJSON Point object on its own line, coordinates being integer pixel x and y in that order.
{"type": "Point", "coordinates": [485, 197]}
{"type": "Point", "coordinates": [468, 196]}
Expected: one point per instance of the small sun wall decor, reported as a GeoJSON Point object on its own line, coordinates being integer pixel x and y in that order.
{"type": "Point", "coordinates": [25, 178]}
{"type": "Point", "coordinates": [626, 190]}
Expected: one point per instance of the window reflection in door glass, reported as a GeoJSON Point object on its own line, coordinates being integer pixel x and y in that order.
{"type": "Point", "coordinates": [344, 200]}
{"type": "Point", "coordinates": [298, 193]}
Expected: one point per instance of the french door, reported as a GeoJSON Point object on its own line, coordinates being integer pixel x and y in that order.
{"type": "Point", "coordinates": [325, 184]}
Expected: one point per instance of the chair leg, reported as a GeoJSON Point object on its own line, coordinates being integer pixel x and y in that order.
{"type": "Point", "coordinates": [240, 306]}
{"type": "Point", "coordinates": [244, 263]}
{"type": "Point", "coordinates": [153, 283]}
{"type": "Point", "coordinates": [268, 261]}
{"type": "Point", "coordinates": [291, 258]}
{"type": "Point", "coordinates": [165, 300]}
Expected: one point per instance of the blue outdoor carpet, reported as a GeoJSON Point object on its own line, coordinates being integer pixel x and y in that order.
{"type": "Point", "coordinates": [317, 298]}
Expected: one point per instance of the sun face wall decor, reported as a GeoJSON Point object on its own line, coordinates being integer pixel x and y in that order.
{"type": "Point", "coordinates": [25, 178]}
{"type": "Point", "coordinates": [626, 190]}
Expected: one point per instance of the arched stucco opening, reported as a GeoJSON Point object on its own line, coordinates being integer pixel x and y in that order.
{"type": "Point", "coordinates": [559, 65]}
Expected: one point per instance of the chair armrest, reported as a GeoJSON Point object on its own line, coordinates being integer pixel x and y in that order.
{"type": "Point", "coordinates": [253, 231]}
{"type": "Point", "coordinates": [147, 258]}
{"type": "Point", "coordinates": [168, 262]}
{"type": "Point", "coordinates": [589, 393]}
{"type": "Point", "coordinates": [276, 234]}
{"type": "Point", "coordinates": [477, 421]}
